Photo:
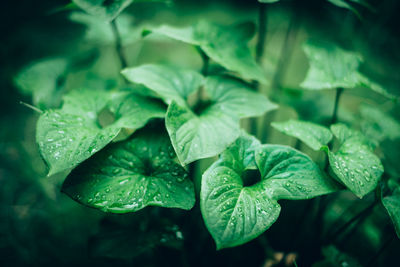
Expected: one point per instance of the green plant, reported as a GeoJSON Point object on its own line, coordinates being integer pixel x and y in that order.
{"type": "Point", "coordinates": [136, 141]}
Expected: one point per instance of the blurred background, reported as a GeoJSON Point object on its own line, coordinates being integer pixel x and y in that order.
{"type": "Point", "coordinates": [39, 226]}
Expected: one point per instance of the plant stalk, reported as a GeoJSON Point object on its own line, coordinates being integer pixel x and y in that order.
{"type": "Point", "coordinates": [260, 48]}
{"type": "Point", "coordinates": [262, 30]}
{"type": "Point", "coordinates": [339, 92]}
{"type": "Point", "coordinates": [380, 251]}
{"type": "Point", "coordinates": [287, 48]}
{"type": "Point", "coordinates": [118, 44]}
{"type": "Point", "coordinates": [365, 212]}
{"type": "Point", "coordinates": [283, 61]}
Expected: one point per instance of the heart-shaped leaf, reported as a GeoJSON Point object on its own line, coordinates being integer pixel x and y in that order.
{"type": "Point", "coordinates": [313, 135]}
{"type": "Point", "coordinates": [130, 175]}
{"type": "Point", "coordinates": [236, 213]}
{"type": "Point", "coordinates": [206, 129]}
{"type": "Point", "coordinates": [72, 134]}
{"type": "Point", "coordinates": [332, 67]}
{"type": "Point", "coordinates": [44, 81]}
{"type": "Point", "coordinates": [226, 45]}
{"type": "Point", "coordinates": [354, 164]}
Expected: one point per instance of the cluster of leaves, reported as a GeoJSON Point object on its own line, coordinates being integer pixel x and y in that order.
{"type": "Point", "coordinates": [128, 146]}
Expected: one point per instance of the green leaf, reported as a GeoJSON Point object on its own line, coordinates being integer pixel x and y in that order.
{"type": "Point", "coordinates": [313, 135]}
{"type": "Point", "coordinates": [68, 136]}
{"type": "Point", "coordinates": [226, 45]}
{"type": "Point", "coordinates": [344, 4]}
{"type": "Point", "coordinates": [130, 175]}
{"type": "Point", "coordinates": [197, 134]}
{"type": "Point", "coordinates": [108, 9]}
{"type": "Point", "coordinates": [99, 31]}
{"type": "Point", "coordinates": [332, 67]}
{"type": "Point", "coordinates": [354, 164]}
{"type": "Point", "coordinates": [43, 80]}
{"type": "Point", "coordinates": [343, 133]}
{"type": "Point", "coordinates": [235, 213]}
{"type": "Point", "coordinates": [104, 9]}
{"type": "Point", "coordinates": [206, 129]}
{"type": "Point", "coordinates": [392, 206]}
{"type": "Point", "coordinates": [200, 136]}
{"type": "Point", "coordinates": [378, 124]}
{"type": "Point", "coordinates": [168, 82]}
{"type": "Point", "coordinates": [290, 174]}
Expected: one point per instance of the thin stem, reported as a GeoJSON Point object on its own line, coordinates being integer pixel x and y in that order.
{"type": "Point", "coordinates": [118, 44]}
{"type": "Point", "coordinates": [262, 29]}
{"type": "Point", "coordinates": [380, 251]}
{"type": "Point", "coordinates": [365, 212]}
{"type": "Point", "coordinates": [339, 92]}
{"type": "Point", "coordinates": [31, 107]}
{"type": "Point", "coordinates": [284, 59]}
{"type": "Point", "coordinates": [287, 49]}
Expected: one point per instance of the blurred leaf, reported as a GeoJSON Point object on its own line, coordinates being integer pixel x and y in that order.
{"type": "Point", "coordinates": [118, 241]}
{"type": "Point", "coordinates": [378, 124]}
{"type": "Point", "coordinates": [235, 212]}
{"type": "Point", "coordinates": [128, 176]}
{"type": "Point", "coordinates": [44, 80]}
{"type": "Point", "coordinates": [108, 9]}
{"type": "Point", "coordinates": [72, 134]}
{"type": "Point", "coordinates": [332, 67]}
{"type": "Point", "coordinates": [336, 258]}
{"type": "Point", "coordinates": [391, 151]}
{"type": "Point", "coordinates": [391, 203]}
{"type": "Point", "coordinates": [170, 83]}
{"type": "Point", "coordinates": [343, 133]}
{"type": "Point", "coordinates": [226, 45]}
{"type": "Point", "coordinates": [345, 4]}
{"type": "Point", "coordinates": [206, 129]}
{"type": "Point", "coordinates": [313, 135]}
{"type": "Point", "coordinates": [100, 31]}
{"type": "Point", "coordinates": [354, 164]}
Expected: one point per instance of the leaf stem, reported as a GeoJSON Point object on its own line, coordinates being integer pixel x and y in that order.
{"type": "Point", "coordinates": [339, 92]}
{"type": "Point", "coordinates": [385, 245]}
{"type": "Point", "coordinates": [287, 48]}
{"type": "Point", "coordinates": [262, 29]}
{"type": "Point", "coordinates": [118, 44]}
{"type": "Point", "coordinates": [365, 212]}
